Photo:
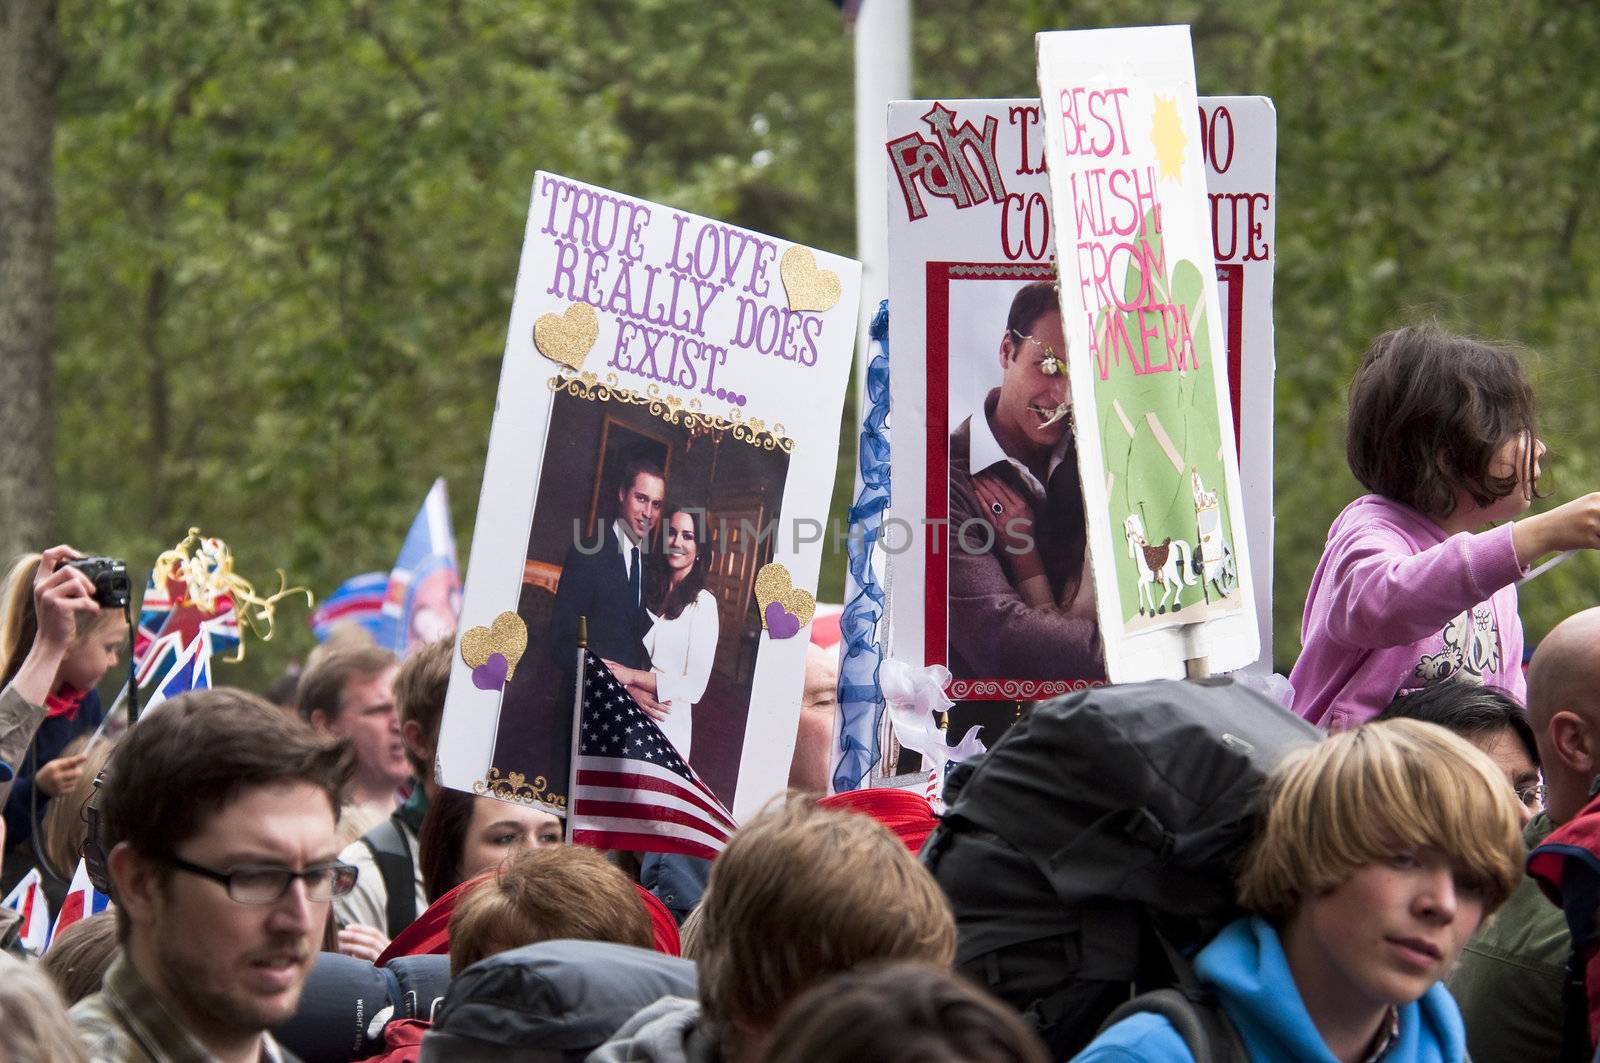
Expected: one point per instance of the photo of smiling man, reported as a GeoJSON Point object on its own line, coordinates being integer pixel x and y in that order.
{"type": "Point", "coordinates": [1021, 595]}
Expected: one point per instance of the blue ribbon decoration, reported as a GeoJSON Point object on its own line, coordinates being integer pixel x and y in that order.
{"type": "Point", "coordinates": [860, 699]}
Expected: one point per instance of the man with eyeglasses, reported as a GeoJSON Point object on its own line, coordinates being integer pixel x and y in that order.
{"type": "Point", "coordinates": [1021, 599]}
{"type": "Point", "coordinates": [217, 829]}
{"type": "Point", "coordinates": [1510, 981]}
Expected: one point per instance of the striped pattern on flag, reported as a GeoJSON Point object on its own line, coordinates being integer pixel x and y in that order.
{"type": "Point", "coordinates": [82, 901]}
{"type": "Point", "coordinates": [358, 599]}
{"type": "Point", "coordinates": [632, 790]}
{"type": "Point", "coordinates": [28, 900]}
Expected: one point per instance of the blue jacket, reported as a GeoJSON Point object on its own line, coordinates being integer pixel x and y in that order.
{"type": "Point", "coordinates": [1245, 967]}
{"type": "Point", "coordinates": [48, 742]}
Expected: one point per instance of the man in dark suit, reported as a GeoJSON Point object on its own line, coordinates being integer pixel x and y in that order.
{"type": "Point", "coordinates": [604, 581]}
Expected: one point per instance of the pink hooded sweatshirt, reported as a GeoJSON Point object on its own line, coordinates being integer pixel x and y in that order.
{"type": "Point", "coordinates": [1396, 604]}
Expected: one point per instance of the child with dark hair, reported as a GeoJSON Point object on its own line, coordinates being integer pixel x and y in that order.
{"type": "Point", "coordinates": [1417, 582]}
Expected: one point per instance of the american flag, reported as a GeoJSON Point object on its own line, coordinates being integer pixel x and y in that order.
{"type": "Point", "coordinates": [631, 789]}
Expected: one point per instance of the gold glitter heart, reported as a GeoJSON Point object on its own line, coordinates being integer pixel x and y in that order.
{"type": "Point", "coordinates": [507, 636]}
{"type": "Point", "coordinates": [809, 286]}
{"type": "Point", "coordinates": [774, 585]}
{"type": "Point", "coordinates": [567, 337]}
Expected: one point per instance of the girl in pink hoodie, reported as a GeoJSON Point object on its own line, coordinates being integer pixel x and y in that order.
{"type": "Point", "coordinates": [1417, 583]}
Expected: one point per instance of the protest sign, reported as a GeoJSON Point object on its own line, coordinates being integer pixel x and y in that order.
{"type": "Point", "coordinates": [965, 239]}
{"type": "Point", "coordinates": [1140, 312]}
{"type": "Point", "coordinates": [671, 385]}
{"type": "Point", "coordinates": [1239, 140]}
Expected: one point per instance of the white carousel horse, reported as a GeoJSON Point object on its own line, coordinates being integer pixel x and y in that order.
{"type": "Point", "coordinates": [1169, 563]}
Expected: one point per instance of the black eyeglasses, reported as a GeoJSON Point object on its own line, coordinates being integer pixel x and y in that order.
{"type": "Point", "coordinates": [265, 883]}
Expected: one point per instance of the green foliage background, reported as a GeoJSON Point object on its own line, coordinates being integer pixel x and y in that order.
{"type": "Point", "coordinates": [288, 231]}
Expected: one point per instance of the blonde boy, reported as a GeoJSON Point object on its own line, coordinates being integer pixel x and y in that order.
{"type": "Point", "coordinates": [1381, 851]}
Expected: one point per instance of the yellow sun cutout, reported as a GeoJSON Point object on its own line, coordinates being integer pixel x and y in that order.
{"type": "Point", "coordinates": [1166, 134]}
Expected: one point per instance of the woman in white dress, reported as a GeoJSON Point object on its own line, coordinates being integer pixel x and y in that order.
{"type": "Point", "coordinates": [682, 642]}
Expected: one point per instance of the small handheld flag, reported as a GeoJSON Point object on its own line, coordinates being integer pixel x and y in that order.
{"type": "Point", "coordinates": [82, 901]}
{"type": "Point", "coordinates": [28, 899]}
{"type": "Point", "coordinates": [191, 671]}
{"type": "Point", "coordinates": [631, 789]}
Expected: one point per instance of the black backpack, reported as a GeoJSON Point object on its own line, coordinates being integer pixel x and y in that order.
{"type": "Point", "coordinates": [1092, 850]}
{"type": "Point", "coordinates": [391, 851]}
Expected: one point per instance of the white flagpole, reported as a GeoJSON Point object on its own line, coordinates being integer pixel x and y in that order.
{"type": "Point", "coordinates": [577, 719]}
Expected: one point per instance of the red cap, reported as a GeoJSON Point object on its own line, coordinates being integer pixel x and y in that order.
{"type": "Point", "coordinates": [430, 934]}
{"type": "Point", "coordinates": [663, 928]}
{"type": "Point", "coordinates": [907, 814]}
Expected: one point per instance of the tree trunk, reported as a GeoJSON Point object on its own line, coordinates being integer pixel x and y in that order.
{"type": "Point", "coordinates": [29, 65]}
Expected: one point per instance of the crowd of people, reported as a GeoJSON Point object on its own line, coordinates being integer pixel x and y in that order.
{"type": "Point", "coordinates": [287, 879]}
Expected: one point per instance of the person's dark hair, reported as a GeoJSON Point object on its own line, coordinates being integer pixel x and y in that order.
{"type": "Point", "coordinates": [635, 462]}
{"type": "Point", "coordinates": [1428, 411]}
{"type": "Point", "coordinates": [322, 685]}
{"type": "Point", "coordinates": [902, 1013]}
{"type": "Point", "coordinates": [1031, 303]}
{"type": "Point", "coordinates": [659, 595]}
{"type": "Point", "coordinates": [419, 691]}
{"type": "Point", "coordinates": [444, 829]}
{"type": "Point", "coordinates": [199, 751]}
{"type": "Point", "coordinates": [1467, 708]}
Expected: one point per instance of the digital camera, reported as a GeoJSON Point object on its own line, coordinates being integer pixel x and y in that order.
{"type": "Point", "coordinates": [110, 579]}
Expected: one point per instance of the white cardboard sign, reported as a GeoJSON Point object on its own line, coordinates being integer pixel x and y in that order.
{"type": "Point", "coordinates": [706, 365]}
{"type": "Point", "coordinates": [965, 237]}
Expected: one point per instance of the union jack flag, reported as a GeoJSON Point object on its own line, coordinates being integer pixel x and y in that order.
{"type": "Point", "coordinates": [631, 790]}
{"type": "Point", "coordinates": [191, 671]}
{"type": "Point", "coordinates": [169, 621]}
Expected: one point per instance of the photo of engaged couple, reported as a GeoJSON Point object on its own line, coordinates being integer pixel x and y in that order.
{"type": "Point", "coordinates": [652, 528]}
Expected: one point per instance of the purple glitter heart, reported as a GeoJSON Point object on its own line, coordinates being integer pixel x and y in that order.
{"type": "Point", "coordinates": [491, 674]}
{"type": "Point", "coordinates": [781, 624]}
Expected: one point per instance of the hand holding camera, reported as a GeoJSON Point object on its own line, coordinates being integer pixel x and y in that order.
{"type": "Point", "coordinates": [60, 591]}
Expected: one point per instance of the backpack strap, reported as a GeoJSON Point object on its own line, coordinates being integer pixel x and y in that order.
{"type": "Point", "coordinates": [1207, 1032]}
{"type": "Point", "coordinates": [1575, 1046]}
{"type": "Point", "coordinates": [391, 850]}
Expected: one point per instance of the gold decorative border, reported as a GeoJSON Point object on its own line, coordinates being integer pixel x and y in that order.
{"type": "Point", "coordinates": [674, 410]}
{"type": "Point", "coordinates": [515, 787]}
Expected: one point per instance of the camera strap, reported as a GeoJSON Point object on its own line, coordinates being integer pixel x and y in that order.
{"type": "Point", "coordinates": [133, 685]}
